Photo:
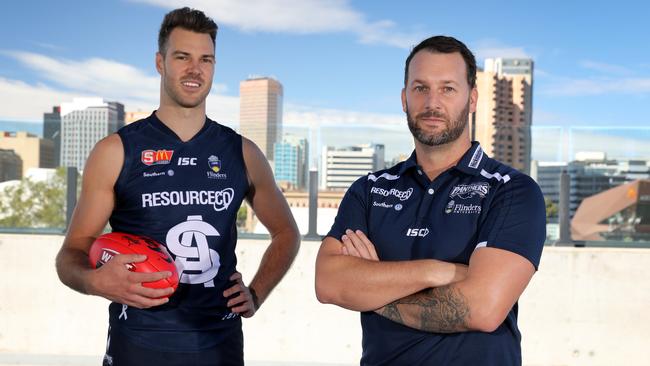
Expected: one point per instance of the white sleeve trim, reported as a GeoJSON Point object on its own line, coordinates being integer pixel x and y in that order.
{"type": "Point", "coordinates": [481, 245]}
{"type": "Point", "coordinates": [497, 176]}
{"type": "Point", "coordinates": [387, 176]}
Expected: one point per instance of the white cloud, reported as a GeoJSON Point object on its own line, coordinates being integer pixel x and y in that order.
{"type": "Point", "coordinates": [27, 102]}
{"type": "Point", "coordinates": [108, 79]}
{"type": "Point", "coordinates": [605, 68]}
{"type": "Point", "coordinates": [582, 87]}
{"type": "Point", "coordinates": [297, 17]}
{"type": "Point", "coordinates": [22, 101]}
{"type": "Point", "coordinates": [492, 48]}
{"type": "Point", "coordinates": [138, 90]}
{"type": "Point", "coordinates": [223, 109]}
{"type": "Point", "coordinates": [49, 46]}
{"type": "Point", "coordinates": [541, 117]}
{"type": "Point", "coordinates": [562, 143]}
{"type": "Point", "coordinates": [324, 117]}
{"type": "Point", "coordinates": [611, 79]}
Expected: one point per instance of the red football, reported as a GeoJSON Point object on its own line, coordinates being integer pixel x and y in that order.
{"type": "Point", "coordinates": [158, 259]}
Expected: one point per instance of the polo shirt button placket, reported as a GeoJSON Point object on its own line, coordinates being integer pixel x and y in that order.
{"type": "Point", "coordinates": [425, 208]}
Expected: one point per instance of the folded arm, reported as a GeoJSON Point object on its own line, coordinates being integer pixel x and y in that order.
{"type": "Point", "coordinates": [348, 275]}
{"type": "Point", "coordinates": [496, 278]}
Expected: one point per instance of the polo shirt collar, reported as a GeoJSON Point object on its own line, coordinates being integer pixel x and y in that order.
{"type": "Point", "coordinates": [409, 163]}
{"type": "Point", "coordinates": [473, 160]}
{"type": "Point", "coordinates": [471, 163]}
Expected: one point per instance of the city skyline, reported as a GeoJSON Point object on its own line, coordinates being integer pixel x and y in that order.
{"type": "Point", "coordinates": [341, 68]}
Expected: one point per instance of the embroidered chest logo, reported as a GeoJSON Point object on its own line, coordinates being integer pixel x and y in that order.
{"type": "Point", "coordinates": [156, 157]}
{"type": "Point", "coordinates": [466, 191]}
{"type": "Point", "coordinates": [402, 195]}
{"type": "Point", "coordinates": [459, 208]}
{"type": "Point", "coordinates": [215, 168]}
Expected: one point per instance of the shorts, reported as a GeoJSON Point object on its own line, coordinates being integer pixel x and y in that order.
{"type": "Point", "coordinates": [121, 350]}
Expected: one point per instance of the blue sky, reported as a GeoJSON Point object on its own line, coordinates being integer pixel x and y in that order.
{"type": "Point", "coordinates": [341, 62]}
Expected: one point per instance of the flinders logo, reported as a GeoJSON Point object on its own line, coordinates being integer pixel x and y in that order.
{"type": "Point", "coordinates": [215, 168]}
{"type": "Point", "coordinates": [460, 208]}
{"type": "Point", "coordinates": [450, 206]}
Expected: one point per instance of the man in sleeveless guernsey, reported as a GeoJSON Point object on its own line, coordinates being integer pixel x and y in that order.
{"type": "Point", "coordinates": [178, 177]}
{"type": "Point", "coordinates": [435, 251]}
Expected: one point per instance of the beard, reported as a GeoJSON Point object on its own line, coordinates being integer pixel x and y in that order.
{"type": "Point", "coordinates": [454, 127]}
{"type": "Point", "coordinates": [174, 91]}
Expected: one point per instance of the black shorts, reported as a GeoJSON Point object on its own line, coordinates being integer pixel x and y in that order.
{"type": "Point", "coordinates": [121, 350]}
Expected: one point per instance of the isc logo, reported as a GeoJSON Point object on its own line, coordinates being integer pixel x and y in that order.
{"type": "Point", "coordinates": [186, 161]}
{"type": "Point", "coordinates": [417, 232]}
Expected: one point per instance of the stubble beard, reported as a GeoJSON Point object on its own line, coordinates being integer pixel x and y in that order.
{"type": "Point", "coordinates": [454, 127]}
{"type": "Point", "coordinates": [173, 91]}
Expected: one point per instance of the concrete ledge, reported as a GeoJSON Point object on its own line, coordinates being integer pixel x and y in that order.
{"type": "Point", "coordinates": [585, 306]}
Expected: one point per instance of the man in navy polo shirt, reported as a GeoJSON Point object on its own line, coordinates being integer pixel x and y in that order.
{"type": "Point", "coordinates": [435, 251]}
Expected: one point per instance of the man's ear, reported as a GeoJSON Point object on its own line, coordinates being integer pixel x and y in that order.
{"type": "Point", "coordinates": [160, 60]}
{"type": "Point", "coordinates": [473, 98]}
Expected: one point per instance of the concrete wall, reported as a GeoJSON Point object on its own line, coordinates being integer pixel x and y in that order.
{"type": "Point", "coordinates": [586, 306]}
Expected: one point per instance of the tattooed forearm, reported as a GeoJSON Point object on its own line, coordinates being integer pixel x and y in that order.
{"type": "Point", "coordinates": [391, 312]}
{"type": "Point", "coordinates": [440, 310]}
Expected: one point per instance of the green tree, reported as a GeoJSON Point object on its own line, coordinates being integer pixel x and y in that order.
{"type": "Point", "coordinates": [35, 203]}
{"type": "Point", "coordinates": [241, 216]}
{"type": "Point", "coordinates": [551, 208]}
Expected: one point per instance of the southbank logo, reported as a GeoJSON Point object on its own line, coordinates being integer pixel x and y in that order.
{"type": "Point", "coordinates": [156, 157]}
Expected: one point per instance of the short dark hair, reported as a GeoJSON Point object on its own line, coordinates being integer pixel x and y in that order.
{"type": "Point", "coordinates": [188, 19]}
{"type": "Point", "coordinates": [444, 44]}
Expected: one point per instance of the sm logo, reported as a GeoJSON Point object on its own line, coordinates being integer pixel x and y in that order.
{"type": "Point", "coordinates": [156, 157]}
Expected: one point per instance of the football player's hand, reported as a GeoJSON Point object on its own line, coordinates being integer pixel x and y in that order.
{"type": "Point", "coordinates": [115, 282]}
{"type": "Point", "coordinates": [242, 303]}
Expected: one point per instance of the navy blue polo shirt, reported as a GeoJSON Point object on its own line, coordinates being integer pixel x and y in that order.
{"type": "Point", "coordinates": [479, 202]}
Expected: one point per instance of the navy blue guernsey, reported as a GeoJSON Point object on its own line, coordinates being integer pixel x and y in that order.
{"type": "Point", "coordinates": [186, 196]}
{"type": "Point", "coordinates": [478, 203]}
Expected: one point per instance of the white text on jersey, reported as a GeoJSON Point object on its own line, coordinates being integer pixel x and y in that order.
{"type": "Point", "coordinates": [219, 200]}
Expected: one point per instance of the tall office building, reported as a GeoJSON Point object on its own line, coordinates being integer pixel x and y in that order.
{"type": "Point", "coordinates": [589, 174]}
{"type": "Point", "coordinates": [85, 121]}
{"type": "Point", "coordinates": [11, 166]}
{"type": "Point", "coordinates": [260, 112]}
{"type": "Point", "coordinates": [34, 151]}
{"type": "Point", "coordinates": [52, 131]}
{"type": "Point", "coordinates": [291, 161]}
{"type": "Point", "coordinates": [341, 167]}
{"type": "Point", "coordinates": [503, 117]}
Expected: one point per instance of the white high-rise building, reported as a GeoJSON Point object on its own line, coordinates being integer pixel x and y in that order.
{"type": "Point", "coordinates": [341, 167]}
{"type": "Point", "coordinates": [85, 121]}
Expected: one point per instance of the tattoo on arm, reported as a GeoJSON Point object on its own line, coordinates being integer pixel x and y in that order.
{"type": "Point", "coordinates": [441, 310]}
